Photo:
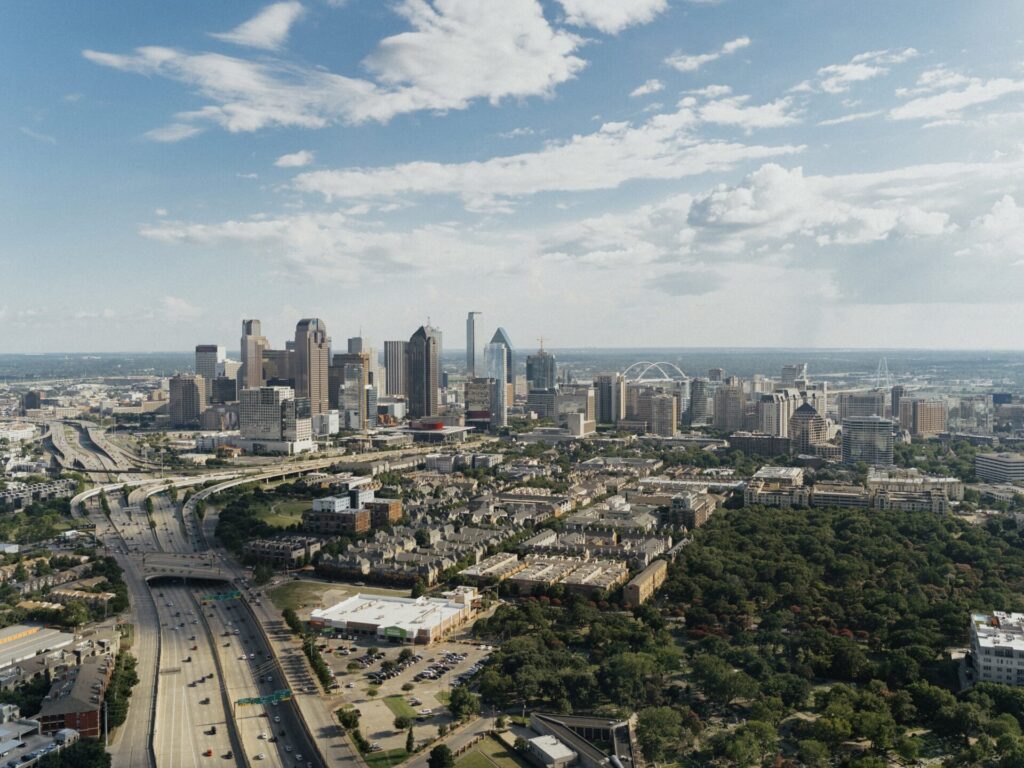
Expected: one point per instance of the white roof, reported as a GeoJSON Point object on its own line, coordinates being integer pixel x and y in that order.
{"type": "Point", "coordinates": [409, 614]}
{"type": "Point", "coordinates": [553, 748]}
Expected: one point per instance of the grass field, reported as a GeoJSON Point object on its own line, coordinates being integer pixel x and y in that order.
{"type": "Point", "coordinates": [385, 758]}
{"type": "Point", "coordinates": [282, 514]}
{"type": "Point", "coordinates": [296, 594]}
{"type": "Point", "coordinates": [400, 707]}
{"type": "Point", "coordinates": [490, 753]}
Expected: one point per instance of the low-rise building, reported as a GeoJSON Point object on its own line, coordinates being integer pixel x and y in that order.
{"type": "Point", "coordinates": [420, 620]}
{"type": "Point", "coordinates": [997, 647]}
{"type": "Point", "coordinates": [999, 467]}
{"type": "Point", "coordinates": [494, 568]}
{"type": "Point", "coordinates": [642, 587]}
{"type": "Point", "coordinates": [343, 522]}
{"type": "Point", "coordinates": [283, 552]}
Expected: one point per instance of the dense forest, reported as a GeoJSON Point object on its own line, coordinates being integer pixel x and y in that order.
{"type": "Point", "coordinates": [787, 637]}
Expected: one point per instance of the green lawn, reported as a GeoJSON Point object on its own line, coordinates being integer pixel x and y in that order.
{"type": "Point", "coordinates": [400, 707]}
{"type": "Point", "coordinates": [385, 758]}
{"type": "Point", "coordinates": [490, 753]}
{"type": "Point", "coordinates": [295, 594]}
{"type": "Point", "coordinates": [282, 514]}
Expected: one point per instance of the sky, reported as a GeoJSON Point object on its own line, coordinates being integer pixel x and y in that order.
{"type": "Point", "coordinates": [602, 173]}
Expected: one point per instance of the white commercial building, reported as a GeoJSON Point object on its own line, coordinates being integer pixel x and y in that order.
{"type": "Point", "coordinates": [997, 645]}
{"type": "Point", "coordinates": [420, 620]}
{"type": "Point", "coordinates": [999, 467]}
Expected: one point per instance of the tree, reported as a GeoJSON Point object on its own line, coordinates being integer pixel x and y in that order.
{"type": "Point", "coordinates": [410, 741]}
{"type": "Point", "coordinates": [402, 722]}
{"type": "Point", "coordinates": [660, 730]}
{"type": "Point", "coordinates": [349, 718]}
{"type": "Point", "coordinates": [441, 757]}
{"type": "Point", "coordinates": [463, 703]}
{"type": "Point", "coordinates": [262, 574]}
{"type": "Point", "coordinates": [75, 614]}
{"type": "Point", "coordinates": [405, 654]}
{"type": "Point", "coordinates": [418, 587]}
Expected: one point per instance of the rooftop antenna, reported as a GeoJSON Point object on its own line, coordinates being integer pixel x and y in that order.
{"type": "Point", "coordinates": [541, 340]}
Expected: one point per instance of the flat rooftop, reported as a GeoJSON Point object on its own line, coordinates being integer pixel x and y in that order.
{"type": "Point", "coordinates": [23, 641]}
{"type": "Point", "coordinates": [409, 614]}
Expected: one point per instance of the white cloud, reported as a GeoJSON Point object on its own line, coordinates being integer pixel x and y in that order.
{"type": "Point", "coordinates": [647, 88]}
{"type": "Point", "coordinates": [176, 309]}
{"type": "Point", "coordinates": [735, 112]}
{"type": "Point", "coordinates": [173, 132]}
{"type": "Point", "coordinates": [457, 51]}
{"type": "Point", "coordinates": [838, 78]}
{"type": "Point", "coordinates": [662, 147]}
{"type": "Point", "coordinates": [516, 133]}
{"type": "Point", "coordinates": [611, 16]}
{"type": "Point", "coordinates": [851, 118]}
{"type": "Point", "coordinates": [45, 138]}
{"type": "Point", "coordinates": [691, 63]}
{"type": "Point", "coordinates": [159, 211]}
{"type": "Point", "coordinates": [950, 102]}
{"type": "Point", "coordinates": [268, 29]}
{"type": "Point", "coordinates": [298, 159]}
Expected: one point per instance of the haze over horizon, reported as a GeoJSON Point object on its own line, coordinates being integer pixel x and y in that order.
{"type": "Point", "coordinates": [639, 174]}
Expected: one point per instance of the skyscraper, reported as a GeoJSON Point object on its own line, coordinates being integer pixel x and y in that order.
{"type": "Point", "coordinates": [793, 373]}
{"type": "Point", "coordinates": [252, 347]}
{"type": "Point", "coordinates": [664, 415]}
{"type": "Point", "coordinates": [423, 369]}
{"type": "Point", "coordinates": [394, 365]}
{"type": "Point", "coordinates": [312, 359]}
{"type": "Point", "coordinates": [896, 393]}
{"type": "Point", "coordinates": [501, 337]}
{"type": "Point", "coordinates": [858, 404]}
{"type": "Point", "coordinates": [208, 358]}
{"type": "Point", "coordinates": [471, 344]}
{"type": "Point", "coordinates": [610, 394]}
{"type": "Point", "coordinates": [354, 381]}
{"type": "Point", "coordinates": [806, 429]}
{"type": "Point", "coordinates": [868, 439]}
{"type": "Point", "coordinates": [728, 413]}
{"type": "Point", "coordinates": [187, 399]}
{"type": "Point", "coordinates": [494, 359]}
{"type": "Point", "coordinates": [541, 370]}
{"type": "Point", "coordinates": [699, 410]}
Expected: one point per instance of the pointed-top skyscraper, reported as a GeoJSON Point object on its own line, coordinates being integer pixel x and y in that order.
{"type": "Point", "coordinates": [312, 360]}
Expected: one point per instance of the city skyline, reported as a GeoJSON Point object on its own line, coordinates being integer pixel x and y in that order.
{"type": "Point", "coordinates": [645, 172]}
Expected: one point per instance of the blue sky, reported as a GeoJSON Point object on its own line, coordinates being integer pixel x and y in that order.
{"type": "Point", "coordinates": [599, 172]}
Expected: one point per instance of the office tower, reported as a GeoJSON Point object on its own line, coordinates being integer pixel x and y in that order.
{"type": "Point", "coordinates": [501, 337]}
{"type": "Point", "coordinates": [394, 363]}
{"type": "Point", "coordinates": [260, 414]}
{"type": "Point", "coordinates": [575, 398]}
{"type": "Point", "coordinates": [252, 347]}
{"type": "Point", "coordinates": [541, 370]}
{"type": "Point", "coordinates": [610, 394]}
{"type": "Point", "coordinates": [699, 410]}
{"type": "Point", "coordinates": [187, 399]}
{"type": "Point", "coordinates": [728, 414]}
{"type": "Point", "coordinates": [423, 370]}
{"type": "Point", "coordinates": [296, 420]}
{"type": "Point", "coordinates": [478, 394]}
{"type": "Point", "coordinates": [715, 375]}
{"type": "Point", "coordinates": [793, 373]}
{"type": "Point", "coordinates": [895, 395]}
{"type": "Point", "coordinates": [312, 359]}
{"type": "Point", "coordinates": [208, 357]}
{"type": "Point", "coordinates": [494, 361]}
{"type": "Point", "coordinates": [664, 415]}
{"type": "Point", "coordinates": [223, 390]}
{"type": "Point", "coordinates": [354, 382]}
{"type": "Point", "coordinates": [867, 439]}
{"type": "Point", "coordinates": [355, 345]}
{"type": "Point", "coordinates": [860, 404]}
{"type": "Point", "coordinates": [807, 428]}
{"type": "Point", "coordinates": [32, 400]}
{"type": "Point", "coordinates": [471, 320]}
{"type": "Point", "coordinates": [774, 410]}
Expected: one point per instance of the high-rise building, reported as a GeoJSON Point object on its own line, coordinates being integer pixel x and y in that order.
{"type": "Point", "coordinates": [700, 411]}
{"type": "Point", "coordinates": [352, 388]}
{"type": "Point", "coordinates": [494, 361]}
{"type": "Point", "coordinates": [664, 415]}
{"type": "Point", "coordinates": [793, 373]}
{"type": "Point", "coordinates": [423, 369]}
{"type": "Point", "coordinates": [208, 358]}
{"type": "Point", "coordinates": [807, 428]}
{"type": "Point", "coordinates": [716, 375]}
{"type": "Point", "coordinates": [252, 347]}
{"type": "Point", "coordinates": [923, 417]}
{"type": "Point", "coordinates": [312, 359]}
{"type": "Point", "coordinates": [868, 439]}
{"type": "Point", "coordinates": [394, 364]}
{"type": "Point", "coordinates": [610, 394]}
{"type": "Point", "coordinates": [859, 404]}
{"type": "Point", "coordinates": [187, 399]}
{"type": "Point", "coordinates": [729, 401]}
{"type": "Point", "coordinates": [896, 394]}
{"type": "Point", "coordinates": [541, 370]}
{"type": "Point", "coordinates": [274, 420]}
{"type": "Point", "coordinates": [774, 410]}
{"type": "Point", "coordinates": [471, 320]}
{"type": "Point", "coordinates": [501, 337]}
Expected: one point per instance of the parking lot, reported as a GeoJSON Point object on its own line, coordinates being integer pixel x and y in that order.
{"type": "Point", "coordinates": [431, 671]}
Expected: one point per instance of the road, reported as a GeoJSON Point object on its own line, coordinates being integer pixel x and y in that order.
{"type": "Point", "coordinates": [456, 741]}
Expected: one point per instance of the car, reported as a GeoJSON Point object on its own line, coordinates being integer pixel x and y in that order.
{"type": "Point", "coordinates": [287, 747]}
{"type": "Point", "coordinates": [262, 735]}
{"type": "Point", "coordinates": [260, 756]}
{"type": "Point", "coordinates": [208, 753]}
{"type": "Point", "coordinates": [425, 711]}
{"type": "Point", "coordinates": [277, 718]}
